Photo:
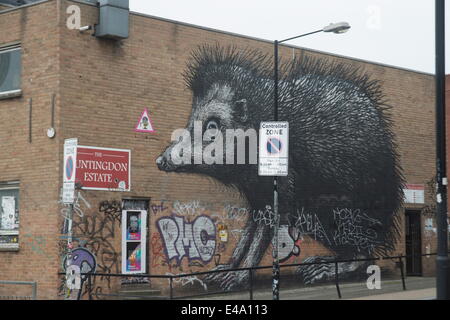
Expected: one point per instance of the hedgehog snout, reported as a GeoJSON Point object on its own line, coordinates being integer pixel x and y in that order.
{"type": "Point", "coordinates": [163, 163]}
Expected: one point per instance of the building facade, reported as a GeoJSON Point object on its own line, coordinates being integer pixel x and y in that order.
{"type": "Point", "coordinates": [366, 137]}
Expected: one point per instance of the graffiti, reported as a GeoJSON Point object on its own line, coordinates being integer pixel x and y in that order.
{"type": "Point", "coordinates": [237, 233]}
{"type": "Point", "coordinates": [188, 209]}
{"type": "Point", "coordinates": [309, 224]}
{"type": "Point", "coordinates": [351, 228]}
{"type": "Point", "coordinates": [83, 259]}
{"type": "Point", "coordinates": [347, 154]}
{"type": "Point", "coordinates": [135, 280]}
{"type": "Point", "coordinates": [79, 203]}
{"type": "Point", "coordinates": [95, 232]}
{"type": "Point", "coordinates": [196, 240]}
{"type": "Point", "coordinates": [196, 264]}
{"type": "Point", "coordinates": [187, 280]}
{"type": "Point", "coordinates": [98, 231]}
{"type": "Point", "coordinates": [78, 264]}
{"type": "Point", "coordinates": [37, 243]}
{"type": "Point", "coordinates": [236, 213]}
{"type": "Point", "coordinates": [356, 229]}
{"type": "Point", "coordinates": [266, 216]}
{"type": "Point", "coordinates": [158, 208]}
{"type": "Point", "coordinates": [73, 278]}
{"type": "Point", "coordinates": [287, 246]}
{"type": "Point", "coordinates": [157, 250]}
{"type": "Point", "coordinates": [112, 208]}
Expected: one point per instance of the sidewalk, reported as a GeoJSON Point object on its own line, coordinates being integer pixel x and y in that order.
{"type": "Point", "coordinates": [418, 288]}
{"type": "Point", "coordinates": [423, 294]}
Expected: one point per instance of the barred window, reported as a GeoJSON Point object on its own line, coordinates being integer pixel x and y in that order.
{"type": "Point", "coordinates": [10, 71]}
{"type": "Point", "coordinates": [9, 216]}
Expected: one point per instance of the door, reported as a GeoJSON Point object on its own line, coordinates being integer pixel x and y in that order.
{"type": "Point", "coordinates": [134, 236]}
{"type": "Point", "coordinates": [413, 243]}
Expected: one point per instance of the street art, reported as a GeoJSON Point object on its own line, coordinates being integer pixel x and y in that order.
{"type": "Point", "coordinates": [309, 224]}
{"type": "Point", "coordinates": [98, 230]}
{"type": "Point", "coordinates": [158, 208]}
{"type": "Point", "coordinates": [344, 169]}
{"type": "Point", "coordinates": [355, 228]}
{"type": "Point", "coordinates": [80, 205]}
{"type": "Point", "coordinates": [82, 263]}
{"type": "Point", "coordinates": [265, 216]}
{"type": "Point", "coordinates": [196, 240]}
{"type": "Point", "coordinates": [188, 209]}
{"type": "Point", "coordinates": [287, 243]}
{"type": "Point", "coordinates": [84, 260]}
{"type": "Point", "coordinates": [187, 280]}
{"type": "Point", "coordinates": [95, 233]}
{"type": "Point", "coordinates": [234, 213]}
{"type": "Point", "coordinates": [112, 208]}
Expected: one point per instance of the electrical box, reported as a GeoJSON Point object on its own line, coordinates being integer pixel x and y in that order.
{"type": "Point", "coordinates": [113, 20]}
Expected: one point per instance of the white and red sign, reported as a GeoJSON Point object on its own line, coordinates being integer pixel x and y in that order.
{"type": "Point", "coordinates": [273, 148]}
{"type": "Point", "coordinates": [145, 123]}
{"type": "Point", "coordinates": [103, 168]}
{"type": "Point", "coordinates": [414, 193]}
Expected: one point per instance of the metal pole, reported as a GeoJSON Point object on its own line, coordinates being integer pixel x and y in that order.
{"type": "Point", "coordinates": [251, 284]}
{"type": "Point", "coordinates": [276, 262]}
{"type": "Point", "coordinates": [171, 288]}
{"type": "Point", "coordinates": [90, 286]}
{"type": "Point", "coordinates": [442, 261]}
{"type": "Point", "coordinates": [336, 278]}
{"type": "Point", "coordinates": [34, 291]}
{"type": "Point", "coordinates": [69, 247]}
{"type": "Point", "coordinates": [402, 272]}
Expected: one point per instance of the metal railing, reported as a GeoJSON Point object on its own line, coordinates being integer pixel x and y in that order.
{"type": "Point", "coordinates": [33, 285]}
{"type": "Point", "coordinates": [251, 277]}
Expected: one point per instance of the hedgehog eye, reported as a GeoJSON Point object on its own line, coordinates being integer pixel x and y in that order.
{"type": "Point", "coordinates": [212, 125]}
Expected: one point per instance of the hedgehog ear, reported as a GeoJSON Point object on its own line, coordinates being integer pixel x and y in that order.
{"type": "Point", "coordinates": [241, 108]}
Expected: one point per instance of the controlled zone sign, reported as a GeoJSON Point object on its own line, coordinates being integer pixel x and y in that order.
{"type": "Point", "coordinates": [273, 148]}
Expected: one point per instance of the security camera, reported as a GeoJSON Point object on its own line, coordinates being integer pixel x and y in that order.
{"type": "Point", "coordinates": [85, 28]}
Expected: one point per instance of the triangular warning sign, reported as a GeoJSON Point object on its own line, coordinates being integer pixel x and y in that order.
{"type": "Point", "coordinates": [145, 123]}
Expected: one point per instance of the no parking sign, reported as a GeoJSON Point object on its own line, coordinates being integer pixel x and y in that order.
{"type": "Point", "coordinates": [273, 149]}
{"type": "Point", "coordinates": [70, 158]}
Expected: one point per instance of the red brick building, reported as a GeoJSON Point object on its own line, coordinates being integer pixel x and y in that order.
{"type": "Point", "coordinates": [97, 90]}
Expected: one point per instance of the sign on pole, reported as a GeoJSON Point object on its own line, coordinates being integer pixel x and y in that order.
{"type": "Point", "coordinates": [273, 148]}
{"type": "Point", "coordinates": [69, 171]}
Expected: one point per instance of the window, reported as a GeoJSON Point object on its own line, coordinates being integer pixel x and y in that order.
{"type": "Point", "coordinates": [9, 216]}
{"type": "Point", "coordinates": [10, 72]}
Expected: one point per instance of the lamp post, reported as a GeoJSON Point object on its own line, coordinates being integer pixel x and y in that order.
{"type": "Point", "coordinates": [340, 27]}
{"type": "Point", "coordinates": [442, 260]}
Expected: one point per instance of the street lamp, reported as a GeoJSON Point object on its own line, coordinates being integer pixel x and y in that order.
{"type": "Point", "coordinates": [442, 259]}
{"type": "Point", "coordinates": [338, 28]}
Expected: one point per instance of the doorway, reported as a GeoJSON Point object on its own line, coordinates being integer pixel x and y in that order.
{"type": "Point", "coordinates": [413, 243]}
{"type": "Point", "coordinates": [134, 236]}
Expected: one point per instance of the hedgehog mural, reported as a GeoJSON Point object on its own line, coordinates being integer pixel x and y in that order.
{"type": "Point", "coordinates": [343, 160]}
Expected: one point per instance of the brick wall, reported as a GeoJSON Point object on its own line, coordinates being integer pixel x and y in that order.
{"type": "Point", "coordinates": [35, 164]}
{"type": "Point", "coordinates": [102, 87]}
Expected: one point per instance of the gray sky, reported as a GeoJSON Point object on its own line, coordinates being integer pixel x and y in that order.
{"type": "Point", "coordinates": [398, 33]}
